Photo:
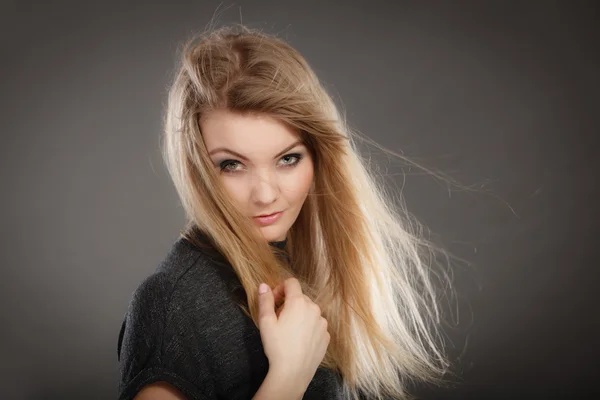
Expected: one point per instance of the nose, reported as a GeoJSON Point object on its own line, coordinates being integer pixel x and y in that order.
{"type": "Point", "coordinates": [265, 188]}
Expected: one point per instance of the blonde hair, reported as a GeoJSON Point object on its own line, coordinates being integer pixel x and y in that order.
{"type": "Point", "coordinates": [360, 258]}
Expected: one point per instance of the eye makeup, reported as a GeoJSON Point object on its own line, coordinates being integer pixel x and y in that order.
{"type": "Point", "coordinates": [228, 166]}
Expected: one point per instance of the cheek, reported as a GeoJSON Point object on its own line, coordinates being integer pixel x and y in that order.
{"type": "Point", "coordinates": [238, 190]}
{"type": "Point", "coordinates": [298, 184]}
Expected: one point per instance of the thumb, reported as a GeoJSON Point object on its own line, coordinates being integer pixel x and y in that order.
{"type": "Point", "coordinates": [266, 305]}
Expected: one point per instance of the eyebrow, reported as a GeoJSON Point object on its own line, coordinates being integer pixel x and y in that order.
{"type": "Point", "coordinates": [226, 150]}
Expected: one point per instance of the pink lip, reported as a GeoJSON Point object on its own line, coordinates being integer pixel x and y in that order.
{"type": "Point", "coordinates": [268, 219]}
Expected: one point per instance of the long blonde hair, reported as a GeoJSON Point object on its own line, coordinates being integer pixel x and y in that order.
{"type": "Point", "coordinates": [362, 259]}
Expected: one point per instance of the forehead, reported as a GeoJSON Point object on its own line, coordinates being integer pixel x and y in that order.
{"type": "Point", "coordinates": [251, 134]}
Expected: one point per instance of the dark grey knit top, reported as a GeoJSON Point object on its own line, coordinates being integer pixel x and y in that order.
{"type": "Point", "coordinates": [183, 326]}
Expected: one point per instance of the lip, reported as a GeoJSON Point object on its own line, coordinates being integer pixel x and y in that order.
{"type": "Point", "coordinates": [268, 219]}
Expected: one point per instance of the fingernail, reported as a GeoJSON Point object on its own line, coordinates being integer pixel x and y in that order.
{"type": "Point", "coordinates": [263, 288]}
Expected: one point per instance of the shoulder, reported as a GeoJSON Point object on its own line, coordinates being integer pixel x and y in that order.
{"type": "Point", "coordinates": [188, 285]}
{"type": "Point", "coordinates": [154, 293]}
{"type": "Point", "coordinates": [186, 276]}
{"type": "Point", "coordinates": [185, 268]}
{"type": "Point", "coordinates": [155, 342]}
{"type": "Point", "coordinates": [148, 307]}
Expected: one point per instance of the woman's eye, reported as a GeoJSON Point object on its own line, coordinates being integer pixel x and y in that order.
{"type": "Point", "coordinates": [229, 166]}
{"type": "Point", "coordinates": [290, 160]}
{"type": "Point", "coordinates": [233, 166]}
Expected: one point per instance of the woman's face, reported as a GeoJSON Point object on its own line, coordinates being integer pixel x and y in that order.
{"type": "Point", "coordinates": [262, 164]}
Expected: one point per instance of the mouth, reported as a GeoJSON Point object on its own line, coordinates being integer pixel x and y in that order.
{"type": "Point", "coordinates": [267, 219]}
{"type": "Point", "coordinates": [267, 215]}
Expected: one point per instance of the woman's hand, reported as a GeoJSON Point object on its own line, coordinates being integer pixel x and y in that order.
{"type": "Point", "coordinates": [295, 337]}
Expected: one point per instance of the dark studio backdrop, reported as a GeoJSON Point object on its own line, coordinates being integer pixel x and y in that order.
{"type": "Point", "coordinates": [503, 96]}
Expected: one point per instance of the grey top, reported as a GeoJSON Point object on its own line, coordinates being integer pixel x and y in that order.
{"type": "Point", "coordinates": [183, 326]}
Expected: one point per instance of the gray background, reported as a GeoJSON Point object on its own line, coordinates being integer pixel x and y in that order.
{"type": "Point", "coordinates": [500, 94]}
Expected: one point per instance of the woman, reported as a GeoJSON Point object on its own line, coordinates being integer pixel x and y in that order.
{"type": "Point", "coordinates": [275, 192]}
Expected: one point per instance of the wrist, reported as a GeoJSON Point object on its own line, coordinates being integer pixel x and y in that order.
{"type": "Point", "coordinates": [285, 382]}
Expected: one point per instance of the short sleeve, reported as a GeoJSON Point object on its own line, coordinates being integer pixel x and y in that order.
{"type": "Point", "coordinates": [151, 349]}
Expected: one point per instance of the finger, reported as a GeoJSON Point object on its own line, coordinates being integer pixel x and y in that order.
{"type": "Point", "coordinates": [266, 306]}
{"type": "Point", "coordinates": [312, 303]}
{"type": "Point", "coordinates": [292, 288]}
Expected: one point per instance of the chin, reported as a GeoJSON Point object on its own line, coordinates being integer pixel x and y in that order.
{"type": "Point", "coordinates": [273, 235]}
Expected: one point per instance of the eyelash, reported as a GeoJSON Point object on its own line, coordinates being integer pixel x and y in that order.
{"type": "Point", "coordinates": [225, 163]}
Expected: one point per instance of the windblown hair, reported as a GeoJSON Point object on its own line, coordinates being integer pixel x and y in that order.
{"type": "Point", "coordinates": [362, 259]}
